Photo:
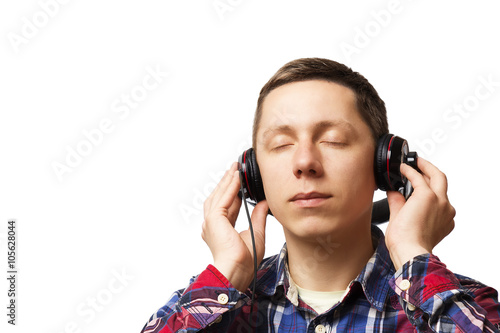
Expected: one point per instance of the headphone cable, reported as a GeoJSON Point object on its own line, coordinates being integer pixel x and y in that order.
{"type": "Point", "coordinates": [254, 251]}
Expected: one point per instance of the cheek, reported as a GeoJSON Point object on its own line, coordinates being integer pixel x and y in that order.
{"type": "Point", "coordinates": [355, 173]}
{"type": "Point", "coordinates": [270, 179]}
{"type": "Point", "coordinates": [273, 179]}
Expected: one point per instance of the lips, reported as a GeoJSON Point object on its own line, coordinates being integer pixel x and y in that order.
{"type": "Point", "coordinates": [310, 195]}
{"type": "Point", "coordinates": [310, 199]}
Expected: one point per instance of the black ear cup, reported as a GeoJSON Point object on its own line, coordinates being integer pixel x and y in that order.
{"type": "Point", "coordinates": [391, 152]}
{"type": "Point", "coordinates": [250, 175]}
{"type": "Point", "coordinates": [381, 161]}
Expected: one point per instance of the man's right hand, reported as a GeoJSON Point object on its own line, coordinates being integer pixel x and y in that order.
{"type": "Point", "coordinates": [232, 251]}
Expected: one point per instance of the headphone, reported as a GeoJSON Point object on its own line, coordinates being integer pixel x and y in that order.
{"type": "Point", "coordinates": [390, 153]}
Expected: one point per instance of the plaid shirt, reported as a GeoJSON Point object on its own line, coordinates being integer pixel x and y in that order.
{"type": "Point", "coordinates": [422, 296]}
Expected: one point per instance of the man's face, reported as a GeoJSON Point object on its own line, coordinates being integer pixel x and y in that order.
{"type": "Point", "coordinates": [315, 155]}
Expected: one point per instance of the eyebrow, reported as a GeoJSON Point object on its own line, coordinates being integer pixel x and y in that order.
{"type": "Point", "coordinates": [326, 124]}
{"type": "Point", "coordinates": [318, 127]}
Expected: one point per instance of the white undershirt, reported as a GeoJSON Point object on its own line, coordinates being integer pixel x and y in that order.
{"type": "Point", "coordinates": [320, 301]}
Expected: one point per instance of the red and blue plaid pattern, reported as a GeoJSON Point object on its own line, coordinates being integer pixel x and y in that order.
{"type": "Point", "coordinates": [435, 301]}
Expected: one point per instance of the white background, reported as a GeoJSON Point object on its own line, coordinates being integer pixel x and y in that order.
{"type": "Point", "coordinates": [132, 206]}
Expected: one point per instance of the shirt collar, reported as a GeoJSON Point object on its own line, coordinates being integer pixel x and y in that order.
{"type": "Point", "coordinates": [273, 277]}
{"type": "Point", "coordinates": [375, 276]}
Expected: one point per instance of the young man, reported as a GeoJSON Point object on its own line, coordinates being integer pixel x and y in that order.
{"type": "Point", "coordinates": [315, 132]}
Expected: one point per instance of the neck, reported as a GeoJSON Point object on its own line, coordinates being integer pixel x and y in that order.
{"type": "Point", "coordinates": [329, 262]}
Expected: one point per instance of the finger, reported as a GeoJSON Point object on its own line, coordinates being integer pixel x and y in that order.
{"type": "Point", "coordinates": [396, 201]}
{"type": "Point", "coordinates": [221, 187]}
{"type": "Point", "coordinates": [437, 179]}
{"type": "Point", "coordinates": [451, 226]}
{"type": "Point", "coordinates": [231, 192]}
{"type": "Point", "coordinates": [259, 216]}
{"type": "Point", "coordinates": [223, 183]}
{"type": "Point", "coordinates": [207, 205]}
{"type": "Point", "coordinates": [416, 179]}
{"type": "Point", "coordinates": [234, 210]}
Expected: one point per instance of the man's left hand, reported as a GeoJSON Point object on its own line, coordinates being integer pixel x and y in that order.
{"type": "Point", "coordinates": [416, 226]}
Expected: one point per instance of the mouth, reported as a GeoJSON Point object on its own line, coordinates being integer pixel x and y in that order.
{"type": "Point", "coordinates": [310, 199]}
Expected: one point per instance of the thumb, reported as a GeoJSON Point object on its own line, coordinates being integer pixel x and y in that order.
{"type": "Point", "coordinates": [396, 201]}
{"type": "Point", "coordinates": [259, 215]}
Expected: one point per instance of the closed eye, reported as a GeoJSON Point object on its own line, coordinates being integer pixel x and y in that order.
{"type": "Point", "coordinates": [281, 147]}
{"type": "Point", "coordinates": [334, 143]}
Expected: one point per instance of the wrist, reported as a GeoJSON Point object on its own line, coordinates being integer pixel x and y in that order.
{"type": "Point", "coordinates": [237, 275]}
{"type": "Point", "coordinates": [403, 254]}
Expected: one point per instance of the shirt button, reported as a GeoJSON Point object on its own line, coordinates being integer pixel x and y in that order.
{"type": "Point", "coordinates": [320, 329]}
{"type": "Point", "coordinates": [411, 307]}
{"type": "Point", "coordinates": [405, 285]}
{"type": "Point", "coordinates": [218, 319]}
{"type": "Point", "coordinates": [222, 299]}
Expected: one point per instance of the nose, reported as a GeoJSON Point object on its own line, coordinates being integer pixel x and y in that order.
{"type": "Point", "coordinates": [307, 162]}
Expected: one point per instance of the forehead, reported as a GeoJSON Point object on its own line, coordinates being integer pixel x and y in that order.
{"type": "Point", "coordinates": [306, 103]}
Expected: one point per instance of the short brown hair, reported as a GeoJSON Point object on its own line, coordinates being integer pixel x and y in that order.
{"type": "Point", "coordinates": [369, 104]}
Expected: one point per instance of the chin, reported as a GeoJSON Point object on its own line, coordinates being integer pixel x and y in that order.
{"type": "Point", "coordinates": [314, 225]}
